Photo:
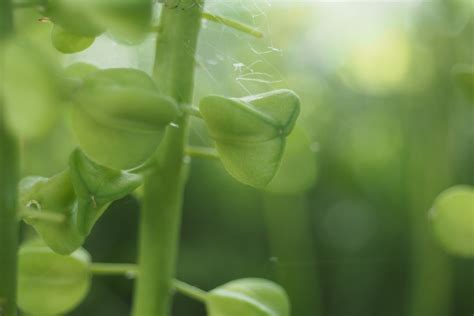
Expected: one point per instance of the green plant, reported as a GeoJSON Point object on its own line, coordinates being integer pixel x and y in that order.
{"type": "Point", "coordinates": [132, 131]}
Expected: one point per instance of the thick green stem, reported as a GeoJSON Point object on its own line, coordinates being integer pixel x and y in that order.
{"type": "Point", "coordinates": [161, 213]}
{"type": "Point", "coordinates": [8, 187]}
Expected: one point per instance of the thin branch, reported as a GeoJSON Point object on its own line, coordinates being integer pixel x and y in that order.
{"type": "Point", "coordinates": [202, 152]}
{"type": "Point", "coordinates": [232, 23]}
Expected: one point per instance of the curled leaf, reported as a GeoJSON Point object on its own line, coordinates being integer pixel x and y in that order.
{"type": "Point", "coordinates": [250, 132]}
{"type": "Point", "coordinates": [119, 119]}
{"type": "Point", "coordinates": [297, 172]}
{"type": "Point", "coordinates": [96, 188]}
{"type": "Point", "coordinates": [49, 283]}
{"type": "Point", "coordinates": [452, 217]}
{"type": "Point", "coordinates": [69, 43]}
{"type": "Point", "coordinates": [55, 195]}
{"type": "Point", "coordinates": [249, 297]}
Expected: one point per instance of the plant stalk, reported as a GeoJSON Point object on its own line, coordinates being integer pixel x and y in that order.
{"type": "Point", "coordinates": [8, 186]}
{"type": "Point", "coordinates": [162, 204]}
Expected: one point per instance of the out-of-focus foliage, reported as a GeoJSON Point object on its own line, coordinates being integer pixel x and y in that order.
{"type": "Point", "coordinates": [388, 118]}
{"type": "Point", "coordinates": [453, 220]}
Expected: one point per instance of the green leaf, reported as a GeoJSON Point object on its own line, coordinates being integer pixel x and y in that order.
{"type": "Point", "coordinates": [32, 87]}
{"type": "Point", "coordinates": [126, 20]}
{"type": "Point", "coordinates": [250, 132]}
{"type": "Point", "coordinates": [80, 70]}
{"type": "Point", "coordinates": [51, 284]}
{"type": "Point", "coordinates": [119, 119]}
{"type": "Point", "coordinates": [96, 188]}
{"type": "Point", "coordinates": [452, 218]}
{"type": "Point", "coordinates": [77, 17]}
{"type": "Point", "coordinates": [464, 78]}
{"type": "Point", "coordinates": [297, 172]}
{"type": "Point", "coordinates": [69, 43]}
{"type": "Point", "coordinates": [249, 297]}
{"type": "Point", "coordinates": [54, 195]}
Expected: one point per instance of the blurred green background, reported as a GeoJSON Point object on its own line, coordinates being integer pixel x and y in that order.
{"type": "Point", "coordinates": [390, 131]}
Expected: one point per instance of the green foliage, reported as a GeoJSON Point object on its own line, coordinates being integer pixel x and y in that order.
{"type": "Point", "coordinates": [50, 284]}
{"type": "Point", "coordinates": [452, 220]}
{"type": "Point", "coordinates": [96, 187]}
{"type": "Point", "coordinates": [80, 194]}
{"type": "Point", "coordinates": [75, 17]}
{"type": "Point", "coordinates": [250, 132]}
{"type": "Point", "coordinates": [69, 43]}
{"type": "Point", "coordinates": [297, 173]}
{"type": "Point", "coordinates": [127, 20]}
{"type": "Point", "coordinates": [27, 68]}
{"type": "Point", "coordinates": [55, 195]}
{"type": "Point", "coordinates": [249, 297]}
{"type": "Point", "coordinates": [119, 118]}
{"type": "Point", "coordinates": [464, 78]}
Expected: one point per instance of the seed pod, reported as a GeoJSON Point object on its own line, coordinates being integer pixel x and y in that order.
{"type": "Point", "coordinates": [76, 17]}
{"type": "Point", "coordinates": [452, 217]}
{"type": "Point", "coordinates": [31, 106]}
{"type": "Point", "coordinates": [126, 20]}
{"type": "Point", "coordinates": [96, 188]}
{"type": "Point", "coordinates": [55, 195]}
{"type": "Point", "coordinates": [297, 173]}
{"type": "Point", "coordinates": [119, 119]}
{"type": "Point", "coordinates": [464, 78]}
{"type": "Point", "coordinates": [69, 43]}
{"type": "Point", "coordinates": [249, 297]}
{"type": "Point", "coordinates": [51, 284]}
{"type": "Point", "coordinates": [250, 132]}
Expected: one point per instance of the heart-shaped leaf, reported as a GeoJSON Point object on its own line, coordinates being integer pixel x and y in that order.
{"type": "Point", "coordinates": [464, 78]}
{"type": "Point", "coordinates": [250, 132]}
{"type": "Point", "coordinates": [55, 195]}
{"type": "Point", "coordinates": [249, 297]}
{"type": "Point", "coordinates": [49, 283]}
{"type": "Point", "coordinates": [452, 217]}
{"type": "Point", "coordinates": [297, 172]}
{"type": "Point", "coordinates": [119, 119]}
{"type": "Point", "coordinates": [69, 43]}
{"type": "Point", "coordinates": [96, 187]}
{"type": "Point", "coordinates": [76, 17]}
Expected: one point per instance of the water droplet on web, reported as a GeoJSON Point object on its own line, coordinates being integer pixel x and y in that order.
{"type": "Point", "coordinates": [174, 125]}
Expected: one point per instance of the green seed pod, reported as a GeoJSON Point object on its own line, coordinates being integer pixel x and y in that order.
{"type": "Point", "coordinates": [31, 106]}
{"type": "Point", "coordinates": [452, 217]}
{"type": "Point", "coordinates": [80, 70]}
{"type": "Point", "coordinates": [76, 17]}
{"type": "Point", "coordinates": [250, 132]}
{"type": "Point", "coordinates": [96, 188]}
{"type": "Point", "coordinates": [297, 172]}
{"type": "Point", "coordinates": [249, 297]}
{"type": "Point", "coordinates": [119, 119]}
{"type": "Point", "coordinates": [51, 284]}
{"type": "Point", "coordinates": [464, 78]}
{"type": "Point", "coordinates": [126, 20]}
{"type": "Point", "coordinates": [55, 195]}
{"type": "Point", "coordinates": [69, 43]}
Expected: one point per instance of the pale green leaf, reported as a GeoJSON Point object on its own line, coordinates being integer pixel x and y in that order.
{"type": "Point", "coordinates": [96, 187]}
{"type": "Point", "coordinates": [49, 283]}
